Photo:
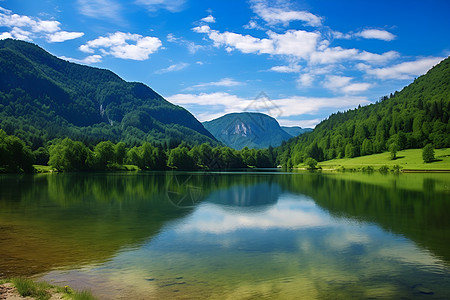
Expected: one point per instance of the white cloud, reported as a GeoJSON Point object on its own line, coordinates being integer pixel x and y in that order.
{"type": "Point", "coordinates": [333, 55]}
{"type": "Point", "coordinates": [173, 68]}
{"type": "Point", "coordinates": [45, 26]}
{"type": "Point", "coordinates": [343, 84]}
{"type": "Point", "coordinates": [205, 105]}
{"type": "Point", "coordinates": [376, 34]}
{"type": "Point", "coordinates": [224, 82]}
{"type": "Point", "coordinates": [209, 19]}
{"type": "Point", "coordinates": [275, 15]}
{"type": "Point", "coordinates": [5, 35]}
{"type": "Point", "coordinates": [305, 80]}
{"type": "Point", "coordinates": [62, 36]}
{"type": "Point", "coordinates": [367, 34]}
{"type": "Point", "coordinates": [92, 59]}
{"type": "Point", "coordinates": [26, 28]}
{"type": "Point", "coordinates": [297, 43]}
{"type": "Point", "coordinates": [252, 25]}
{"type": "Point", "coordinates": [286, 69]}
{"type": "Point", "coordinates": [405, 70]}
{"type": "Point", "coordinates": [334, 82]}
{"type": "Point", "coordinates": [170, 5]}
{"type": "Point", "coordinates": [378, 58]}
{"type": "Point", "coordinates": [100, 9]}
{"type": "Point", "coordinates": [338, 54]}
{"type": "Point", "coordinates": [117, 45]}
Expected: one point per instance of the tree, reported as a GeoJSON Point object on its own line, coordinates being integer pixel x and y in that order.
{"type": "Point", "coordinates": [120, 152]}
{"type": "Point", "coordinates": [15, 156]}
{"type": "Point", "coordinates": [68, 155]}
{"type": "Point", "coordinates": [311, 163]}
{"type": "Point", "coordinates": [393, 148]}
{"type": "Point", "coordinates": [180, 159]}
{"type": "Point", "coordinates": [428, 153]}
{"type": "Point", "coordinates": [104, 154]}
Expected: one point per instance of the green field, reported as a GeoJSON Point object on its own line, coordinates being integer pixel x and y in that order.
{"type": "Point", "coordinates": [407, 159]}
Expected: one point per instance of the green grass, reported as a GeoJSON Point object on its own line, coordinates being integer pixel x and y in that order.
{"type": "Point", "coordinates": [406, 159]}
{"type": "Point", "coordinates": [27, 287]}
{"type": "Point", "coordinates": [43, 290]}
{"type": "Point", "coordinates": [43, 169]}
{"type": "Point", "coordinates": [115, 167]}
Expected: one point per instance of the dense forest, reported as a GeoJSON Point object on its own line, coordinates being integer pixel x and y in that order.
{"type": "Point", "coordinates": [416, 116]}
{"type": "Point", "coordinates": [43, 97]}
{"type": "Point", "coordinates": [68, 155]}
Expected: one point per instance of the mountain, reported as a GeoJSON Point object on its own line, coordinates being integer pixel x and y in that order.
{"type": "Point", "coordinates": [295, 130]}
{"type": "Point", "coordinates": [252, 130]}
{"type": "Point", "coordinates": [416, 116]}
{"type": "Point", "coordinates": [43, 97]}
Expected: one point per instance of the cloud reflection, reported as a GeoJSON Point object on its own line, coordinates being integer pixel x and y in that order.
{"type": "Point", "coordinates": [286, 214]}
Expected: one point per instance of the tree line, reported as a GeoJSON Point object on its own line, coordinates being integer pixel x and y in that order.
{"type": "Point", "coordinates": [68, 155]}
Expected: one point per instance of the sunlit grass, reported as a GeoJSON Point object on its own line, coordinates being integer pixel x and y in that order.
{"type": "Point", "coordinates": [406, 159]}
{"type": "Point", "coordinates": [43, 290]}
{"type": "Point", "coordinates": [27, 287]}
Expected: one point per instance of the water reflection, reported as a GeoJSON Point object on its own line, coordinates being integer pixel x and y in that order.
{"type": "Point", "coordinates": [235, 235]}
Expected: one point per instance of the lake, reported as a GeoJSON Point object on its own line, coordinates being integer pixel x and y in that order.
{"type": "Point", "coordinates": [236, 235]}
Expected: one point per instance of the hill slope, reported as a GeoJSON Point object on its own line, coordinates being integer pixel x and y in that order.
{"type": "Point", "coordinates": [252, 130]}
{"type": "Point", "coordinates": [417, 115]}
{"type": "Point", "coordinates": [43, 97]}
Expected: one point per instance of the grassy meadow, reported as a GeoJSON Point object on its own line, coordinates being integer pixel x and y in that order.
{"type": "Point", "coordinates": [410, 159]}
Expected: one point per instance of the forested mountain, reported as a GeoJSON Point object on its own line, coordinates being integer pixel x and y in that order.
{"type": "Point", "coordinates": [252, 130]}
{"type": "Point", "coordinates": [295, 130]}
{"type": "Point", "coordinates": [412, 118]}
{"type": "Point", "coordinates": [43, 97]}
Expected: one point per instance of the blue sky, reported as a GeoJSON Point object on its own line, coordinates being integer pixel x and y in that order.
{"type": "Point", "coordinates": [298, 61]}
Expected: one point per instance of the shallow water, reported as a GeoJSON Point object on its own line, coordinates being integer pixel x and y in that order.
{"type": "Point", "coordinates": [230, 235]}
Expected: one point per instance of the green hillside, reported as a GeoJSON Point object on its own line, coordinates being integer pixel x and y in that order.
{"type": "Point", "coordinates": [252, 130]}
{"type": "Point", "coordinates": [43, 97]}
{"type": "Point", "coordinates": [410, 119]}
{"type": "Point", "coordinates": [406, 159]}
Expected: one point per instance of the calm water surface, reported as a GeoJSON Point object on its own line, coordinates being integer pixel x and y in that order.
{"type": "Point", "coordinates": [230, 235]}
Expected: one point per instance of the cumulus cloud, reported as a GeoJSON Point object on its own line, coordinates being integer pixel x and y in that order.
{"type": "Point", "coordinates": [209, 19]}
{"type": "Point", "coordinates": [297, 43]}
{"type": "Point", "coordinates": [283, 15]}
{"type": "Point", "coordinates": [405, 70]}
{"type": "Point", "coordinates": [170, 5]}
{"type": "Point", "coordinates": [376, 34]}
{"type": "Point", "coordinates": [173, 68]}
{"type": "Point", "coordinates": [117, 45]}
{"type": "Point", "coordinates": [26, 28]}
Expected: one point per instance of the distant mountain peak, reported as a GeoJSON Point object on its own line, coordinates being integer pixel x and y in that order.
{"type": "Point", "coordinates": [247, 129]}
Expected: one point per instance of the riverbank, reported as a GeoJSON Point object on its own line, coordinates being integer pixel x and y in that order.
{"type": "Point", "coordinates": [20, 288]}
